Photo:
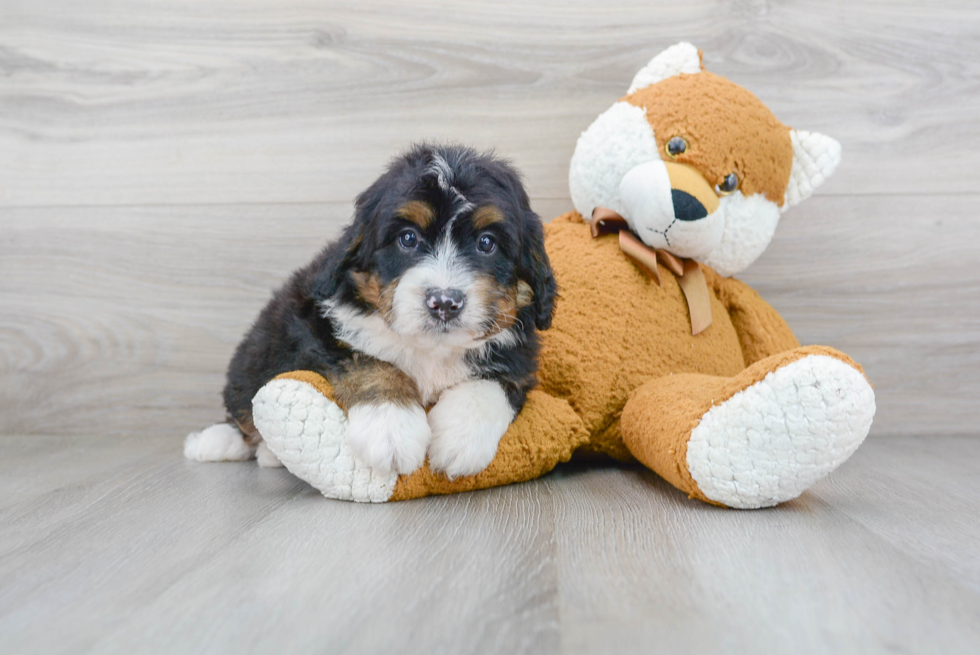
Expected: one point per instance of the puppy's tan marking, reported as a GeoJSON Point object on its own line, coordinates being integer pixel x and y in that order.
{"type": "Point", "coordinates": [502, 301]}
{"type": "Point", "coordinates": [373, 292]}
{"type": "Point", "coordinates": [486, 216]}
{"type": "Point", "coordinates": [418, 212]}
{"type": "Point", "coordinates": [371, 381]}
{"type": "Point", "coordinates": [506, 306]}
{"type": "Point", "coordinates": [368, 286]}
{"type": "Point", "coordinates": [525, 295]}
{"type": "Point", "coordinates": [249, 431]}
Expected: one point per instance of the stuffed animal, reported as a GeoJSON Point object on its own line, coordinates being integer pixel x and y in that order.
{"type": "Point", "coordinates": [655, 353]}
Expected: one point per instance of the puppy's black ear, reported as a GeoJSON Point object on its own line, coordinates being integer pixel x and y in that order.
{"type": "Point", "coordinates": [352, 251]}
{"type": "Point", "coordinates": [536, 269]}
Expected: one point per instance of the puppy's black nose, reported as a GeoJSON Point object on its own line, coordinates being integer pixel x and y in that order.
{"type": "Point", "coordinates": [445, 304]}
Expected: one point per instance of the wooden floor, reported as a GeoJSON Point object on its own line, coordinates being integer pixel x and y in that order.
{"type": "Point", "coordinates": [165, 163]}
{"type": "Point", "coordinates": [114, 545]}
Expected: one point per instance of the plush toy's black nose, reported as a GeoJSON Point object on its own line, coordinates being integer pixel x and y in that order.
{"type": "Point", "coordinates": [445, 304]}
{"type": "Point", "coordinates": [686, 206]}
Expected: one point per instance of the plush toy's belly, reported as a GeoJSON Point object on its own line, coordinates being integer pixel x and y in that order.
{"type": "Point", "coordinates": [614, 328]}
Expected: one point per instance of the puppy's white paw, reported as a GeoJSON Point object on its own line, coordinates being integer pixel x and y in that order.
{"type": "Point", "coordinates": [467, 424]}
{"type": "Point", "coordinates": [388, 437]}
{"type": "Point", "coordinates": [221, 442]}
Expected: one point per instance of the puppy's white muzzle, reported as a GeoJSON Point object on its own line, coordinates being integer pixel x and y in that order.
{"type": "Point", "coordinates": [433, 300]}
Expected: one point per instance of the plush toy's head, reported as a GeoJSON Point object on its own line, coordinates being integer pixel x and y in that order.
{"type": "Point", "coordinates": [697, 165]}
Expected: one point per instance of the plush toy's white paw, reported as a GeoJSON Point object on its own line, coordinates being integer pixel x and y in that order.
{"type": "Point", "coordinates": [221, 442]}
{"type": "Point", "coordinates": [389, 437]}
{"type": "Point", "coordinates": [467, 424]}
{"type": "Point", "coordinates": [308, 434]}
{"type": "Point", "coordinates": [770, 442]}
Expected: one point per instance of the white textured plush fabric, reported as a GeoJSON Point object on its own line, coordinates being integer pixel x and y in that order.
{"type": "Point", "coordinates": [772, 441]}
{"type": "Point", "coordinates": [815, 158]}
{"type": "Point", "coordinates": [308, 433]}
{"type": "Point", "coordinates": [679, 58]}
{"type": "Point", "coordinates": [617, 141]}
{"type": "Point", "coordinates": [647, 196]}
{"type": "Point", "coordinates": [749, 224]}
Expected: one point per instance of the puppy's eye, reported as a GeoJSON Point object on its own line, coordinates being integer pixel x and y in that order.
{"type": "Point", "coordinates": [408, 239]}
{"type": "Point", "coordinates": [728, 185]}
{"type": "Point", "coordinates": [676, 146]}
{"type": "Point", "coordinates": [486, 244]}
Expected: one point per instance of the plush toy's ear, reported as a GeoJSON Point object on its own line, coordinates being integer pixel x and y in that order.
{"type": "Point", "coordinates": [815, 158]}
{"type": "Point", "coordinates": [679, 58]}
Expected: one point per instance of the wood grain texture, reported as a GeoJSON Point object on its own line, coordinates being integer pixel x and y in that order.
{"type": "Point", "coordinates": [833, 571]}
{"type": "Point", "coordinates": [116, 545]}
{"type": "Point", "coordinates": [141, 102]}
{"type": "Point", "coordinates": [123, 319]}
{"type": "Point", "coordinates": [164, 165]}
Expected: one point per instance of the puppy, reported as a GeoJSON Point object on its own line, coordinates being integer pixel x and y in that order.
{"type": "Point", "coordinates": [430, 299]}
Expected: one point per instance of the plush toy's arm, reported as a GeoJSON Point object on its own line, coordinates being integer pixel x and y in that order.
{"type": "Point", "coordinates": [302, 423]}
{"type": "Point", "coordinates": [762, 332]}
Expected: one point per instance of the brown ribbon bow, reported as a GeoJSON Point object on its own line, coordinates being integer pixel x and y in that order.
{"type": "Point", "coordinates": [690, 277]}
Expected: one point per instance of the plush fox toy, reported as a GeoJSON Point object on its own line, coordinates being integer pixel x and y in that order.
{"type": "Point", "coordinates": [655, 352]}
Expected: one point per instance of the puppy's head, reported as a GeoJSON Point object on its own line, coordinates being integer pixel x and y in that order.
{"type": "Point", "coordinates": [445, 249]}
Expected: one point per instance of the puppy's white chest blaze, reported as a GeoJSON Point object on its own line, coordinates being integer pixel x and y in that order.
{"type": "Point", "coordinates": [434, 372]}
{"type": "Point", "coordinates": [434, 365]}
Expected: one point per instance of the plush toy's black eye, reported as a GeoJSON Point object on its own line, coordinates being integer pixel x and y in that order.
{"type": "Point", "coordinates": [676, 146]}
{"type": "Point", "coordinates": [486, 244]}
{"type": "Point", "coordinates": [408, 239]}
{"type": "Point", "coordinates": [728, 185]}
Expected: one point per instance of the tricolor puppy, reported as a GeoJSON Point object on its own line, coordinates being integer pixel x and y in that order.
{"type": "Point", "coordinates": [430, 299]}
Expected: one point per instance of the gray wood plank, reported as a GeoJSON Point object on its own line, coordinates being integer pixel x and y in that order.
{"type": "Point", "coordinates": [293, 101]}
{"type": "Point", "coordinates": [936, 486]}
{"type": "Point", "coordinates": [122, 320]}
{"type": "Point", "coordinates": [182, 557]}
{"type": "Point", "coordinates": [643, 569]}
{"type": "Point", "coordinates": [893, 282]}
{"type": "Point", "coordinates": [110, 553]}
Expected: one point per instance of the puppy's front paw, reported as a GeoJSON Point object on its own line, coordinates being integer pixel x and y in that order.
{"type": "Point", "coordinates": [467, 424]}
{"type": "Point", "coordinates": [388, 436]}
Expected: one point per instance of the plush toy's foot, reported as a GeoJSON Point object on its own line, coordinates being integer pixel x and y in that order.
{"type": "Point", "coordinates": [307, 432]}
{"type": "Point", "coordinates": [758, 439]}
{"type": "Point", "coordinates": [774, 440]}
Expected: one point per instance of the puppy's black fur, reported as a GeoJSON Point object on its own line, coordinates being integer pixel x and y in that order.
{"type": "Point", "coordinates": [292, 333]}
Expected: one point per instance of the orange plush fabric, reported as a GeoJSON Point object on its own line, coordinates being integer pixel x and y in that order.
{"type": "Point", "coordinates": [659, 439]}
{"type": "Point", "coordinates": [727, 128]}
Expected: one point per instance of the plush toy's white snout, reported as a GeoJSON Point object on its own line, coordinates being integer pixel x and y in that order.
{"type": "Point", "coordinates": [671, 206]}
